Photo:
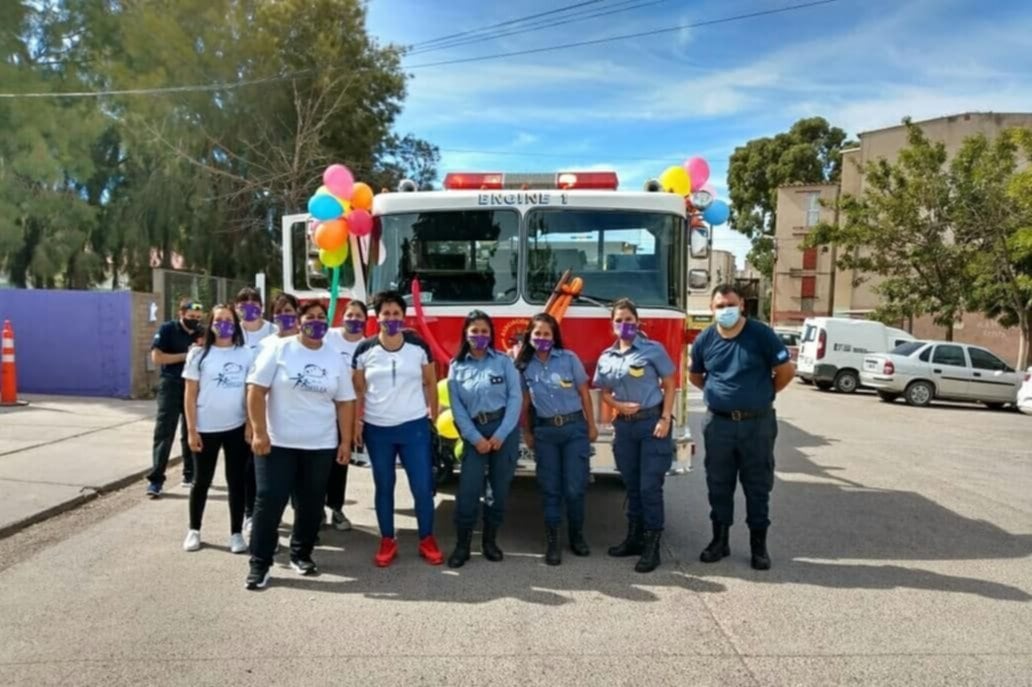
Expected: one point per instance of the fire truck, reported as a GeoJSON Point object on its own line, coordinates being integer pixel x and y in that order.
{"type": "Point", "coordinates": [501, 242]}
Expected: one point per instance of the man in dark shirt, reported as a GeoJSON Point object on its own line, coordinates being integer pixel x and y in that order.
{"type": "Point", "coordinates": [740, 365]}
{"type": "Point", "coordinates": [169, 349]}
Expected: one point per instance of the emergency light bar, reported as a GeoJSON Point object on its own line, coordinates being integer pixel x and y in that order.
{"type": "Point", "coordinates": [496, 181]}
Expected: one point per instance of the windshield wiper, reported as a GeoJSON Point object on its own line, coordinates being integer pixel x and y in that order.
{"type": "Point", "coordinates": [595, 300]}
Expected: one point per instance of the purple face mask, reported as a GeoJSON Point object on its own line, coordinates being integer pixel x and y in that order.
{"type": "Point", "coordinates": [626, 330]}
{"type": "Point", "coordinates": [250, 311]}
{"type": "Point", "coordinates": [391, 327]}
{"type": "Point", "coordinates": [354, 326]}
{"type": "Point", "coordinates": [223, 329]}
{"type": "Point", "coordinates": [286, 321]}
{"type": "Point", "coordinates": [315, 329]}
{"type": "Point", "coordinates": [543, 345]}
{"type": "Point", "coordinates": [479, 341]}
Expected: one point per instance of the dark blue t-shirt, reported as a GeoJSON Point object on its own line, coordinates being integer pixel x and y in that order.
{"type": "Point", "coordinates": [739, 371]}
{"type": "Point", "coordinates": [172, 338]}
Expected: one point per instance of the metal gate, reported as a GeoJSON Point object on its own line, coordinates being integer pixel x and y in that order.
{"type": "Point", "coordinates": [172, 285]}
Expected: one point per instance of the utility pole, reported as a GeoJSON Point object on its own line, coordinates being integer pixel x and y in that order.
{"type": "Point", "coordinates": [834, 254]}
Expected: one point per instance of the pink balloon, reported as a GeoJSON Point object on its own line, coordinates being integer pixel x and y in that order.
{"type": "Point", "coordinates": [339, 180]}
{"type": "Point", "coordinates": [360, 222]}
{"type": "Point", "coordinates": [698, 170]}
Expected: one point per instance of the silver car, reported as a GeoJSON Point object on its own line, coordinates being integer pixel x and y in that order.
{"type": "Point", "coordinates": [922, 371]}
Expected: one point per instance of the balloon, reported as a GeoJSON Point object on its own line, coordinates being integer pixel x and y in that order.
{"type": "Point", "coordinates": [325, 207]}
{"type": "Point", "coordinates": [360, 222]}
{"type": "Point", "coordinates": [330, 236]}
{"type": "Point", "coordinates": [362, 197]}
{"type": "Point", "coordinates": [702, 199]}
{"type": "Point", "coordinates": [442, 393]}
{"type": "Point", "coordinates": [698, 170]}
{"type": "Point", "coordinates": [339, 180]}
{"type": "Point", "coordinates": [717, 213]}
{"type": "Point", "coordinates": [459, 445]}
{"type": "Point", "coordinates": [333, 258]}
{"type": "Point", "coordinates": [446, 425]}
{"type": "Point", "coordinates": [710, 188]}
{"type": "Point", "coordinates": [676, 180]}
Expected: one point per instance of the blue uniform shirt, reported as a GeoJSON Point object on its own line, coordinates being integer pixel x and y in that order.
{"type": "Point", "coordinates": [554, 384]}
{"type": "Point", "coordinates": [484, 386]}
{"type": "Point", "coordinates": [633, 375]}
{"type": "Point", "coordinates": [739, 371]}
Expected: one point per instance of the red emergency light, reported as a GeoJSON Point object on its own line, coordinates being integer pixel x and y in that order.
{"type": "Point", "coordinates": [463, 181]}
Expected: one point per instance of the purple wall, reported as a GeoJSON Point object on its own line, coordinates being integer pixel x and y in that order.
{"type": "Point", "coordinates": [75, 343]}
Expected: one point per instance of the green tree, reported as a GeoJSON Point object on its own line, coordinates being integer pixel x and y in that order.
{"type": "Point", "coordinates": [809, 152]}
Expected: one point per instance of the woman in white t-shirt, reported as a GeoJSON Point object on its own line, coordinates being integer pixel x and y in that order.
{"type": "Point", "coordinates": [216, 417]}
{"type": "Point", "coordinates": [249, 308]}
{"type": "Point", "coordinates": [396, 382]}
{"type": "Point", "coordinates": [297, 391]}
{"type": "Point", "coordinates": [345, 340]}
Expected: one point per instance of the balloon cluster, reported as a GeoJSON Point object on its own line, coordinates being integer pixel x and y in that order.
{"type": "Point", "coordinates": [341, 207]}
{"type": "Point", "coordinates": [690, 180]}
{"type": "Point", "coordinates": [445, 424]}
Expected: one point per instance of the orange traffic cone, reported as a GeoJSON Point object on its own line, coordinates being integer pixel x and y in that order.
{"type": "Point", "coordinates": [8, 374]}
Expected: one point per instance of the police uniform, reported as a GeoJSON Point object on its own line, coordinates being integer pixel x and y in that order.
{"type": "Point", "coordinates": [634, 376]}
{"type": "Point", "coordinates": [740, 427]}
{"type": "Point", "coordinates": [485, 402]}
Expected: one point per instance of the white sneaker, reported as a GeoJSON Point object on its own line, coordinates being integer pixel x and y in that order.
{"type": "Point", "coordinates": [340, 521]}
{"type": "Point", "coordinates": [237, 543]}
{"type": "Point", "coordinates": [192, 541]}
{"type": "Point", "coordinates": [248, 523]}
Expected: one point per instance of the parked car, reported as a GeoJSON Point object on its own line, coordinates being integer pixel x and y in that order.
{"type": "Point", "coordinates": [790, 337]}
{"type": "Point", "coordinates": [922, 371]}
{"type": "Point", "coordinates": [833, 348]}
{"type": "Point", "coordinates": [1025, 394]}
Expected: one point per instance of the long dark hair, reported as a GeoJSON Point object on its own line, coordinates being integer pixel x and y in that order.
{"type": "Point", "coordinates": [527, 350]}
{"type": "Point", "coordinates": [209, 336]}
{"type": "Point", "coordinates": [474, 316]}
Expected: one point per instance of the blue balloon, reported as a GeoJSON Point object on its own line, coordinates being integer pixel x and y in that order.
{"type": "Point", "coordinates": [717, 213]}
{"type": "Point", "coordinates": [325, 207]}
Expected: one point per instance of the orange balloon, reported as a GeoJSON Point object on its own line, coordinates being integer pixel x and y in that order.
{"type": "Point", "coordinates": [330, 236]}
{"type": "Point", "coordinates": [362, 197]}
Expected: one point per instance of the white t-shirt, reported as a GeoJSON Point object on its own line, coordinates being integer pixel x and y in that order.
{"type": "Point", "coordinates": [393, 380]}
{"type": "Point", "coordinates": [252, 339]}
{"type": "Point", "coordinates": [303, 387]}
{"type": "Point", "coordinates": [221, 396]}
{"type": "Point", "coordinates": [335, 338]}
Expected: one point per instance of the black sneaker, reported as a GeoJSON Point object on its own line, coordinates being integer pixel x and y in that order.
{"type": "Point", "coordinates": [303, 566]}
{"type": "Point", "coordinates": [258, 578]}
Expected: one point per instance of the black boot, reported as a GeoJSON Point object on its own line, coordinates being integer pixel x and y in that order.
{"type": "Point", "coordinates": [631, 545]}
{"type": "Point", "coordinates": [552, 554]}
{"type": "Point", "coordinates": [719, 547]}
{"type": "Point", "coordinates": [577, 543]}
{"type": "Point", "coordinates": [489, 546]}
{"type": "Point", "coordinates": [462, 545]}
{"type": "Point", "coordinates": [758, 544]}
{"type": "Point", "coordinates": [649, 560]}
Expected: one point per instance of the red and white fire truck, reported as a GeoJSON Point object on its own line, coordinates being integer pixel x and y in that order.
{"type": "Point", "coordinates": [501, 242]}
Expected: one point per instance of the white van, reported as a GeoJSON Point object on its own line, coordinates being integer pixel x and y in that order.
{"type": "Point", "coordinates": [832, 350]}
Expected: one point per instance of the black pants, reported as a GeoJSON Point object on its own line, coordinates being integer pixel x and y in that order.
{"type": "Point", "coordinates": [283, 472]}
{"type": "Point", "coordinates": [740, 452]}
{"type": "Point", "coordinates": [233, 444]}
{"type": "Point", "coordinates": [170, 414]}
{"type": "Point", "coordinates": [336, 486]}
{"type": "Point", "coordinates": [250, 489]}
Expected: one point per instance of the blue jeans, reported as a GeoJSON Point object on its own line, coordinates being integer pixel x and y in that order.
{"type": "Point", "coordinates": [643, 462]}
{"type": "Point", "coordinates": [740, 451]}
{"type": "Point", "coordinates": [500, 466]}
{"type": "Point", "coordinates": [410, 441]}
{"type": "Point", "coordinates": [285, 472]}
{"type": "Point", "coordinates": [563, 455]}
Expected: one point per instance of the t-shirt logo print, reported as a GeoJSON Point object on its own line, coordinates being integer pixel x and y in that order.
{"type": "Point", "coordinates": [312, 378]}
{"type": "Point", "coordinates": [231, 376]}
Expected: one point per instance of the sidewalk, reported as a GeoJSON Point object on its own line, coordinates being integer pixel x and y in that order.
{"type": "Point", "coordinates": [59, 451]}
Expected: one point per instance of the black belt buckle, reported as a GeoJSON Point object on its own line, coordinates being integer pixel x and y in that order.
{"type": "Point", "coordinates": [559, 420]}
{"type": "Point", "coordinates": [737, 415]}
{"type": "Point", "coordinates": [482, 418]}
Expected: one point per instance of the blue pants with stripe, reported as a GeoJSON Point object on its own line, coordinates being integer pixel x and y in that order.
{"type": "Point", "coordinates": [410, 441]}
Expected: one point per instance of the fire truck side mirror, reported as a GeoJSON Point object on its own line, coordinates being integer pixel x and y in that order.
{"type": "Point", "coordinates": [698, 280]}
{"type": "Point", "coordinates": [699, 242]}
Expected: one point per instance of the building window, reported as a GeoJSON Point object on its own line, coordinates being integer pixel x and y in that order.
{"type": "Point", "coordinates": [809, 287]}
{"type": "Point", "coordinates": [813, 208]}
{"type": "Point", "coordinates": [807, 305]}
{"type": "Point", "coordinates": [810, 259]}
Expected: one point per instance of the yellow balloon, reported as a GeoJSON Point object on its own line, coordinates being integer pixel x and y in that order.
{"type": "Point", "coordinates": [446, 425]}
{"type": "Point", "coordinates": [333, 258]}
{"type": "Point", "coordinates": [676, 180]}
{"type": "Point", "coordinates": [459, 447]}
{"type": "Point", "coordinates": [442, 393]}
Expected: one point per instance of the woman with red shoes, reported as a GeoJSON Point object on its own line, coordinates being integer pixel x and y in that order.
{"type": "Point", "coordinates": [396, 383]}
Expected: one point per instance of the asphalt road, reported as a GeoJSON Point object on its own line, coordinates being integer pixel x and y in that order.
{"type": "Point", "coordinates": [901, 546]}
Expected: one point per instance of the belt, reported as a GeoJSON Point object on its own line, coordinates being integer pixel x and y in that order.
{"type": "Point", "coordinates": [643, 414]}
{"type": "Point", "coordinates": [485, 418]}
{"type": "Point", "coordinates": [739, 415]}
{"type": "Point", "coordinates": [560, 420]}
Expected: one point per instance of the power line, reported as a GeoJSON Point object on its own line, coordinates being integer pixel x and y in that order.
{"type": "Point", "coordinates": [218, 86]}
{"type": "Point", "coordinates": [519, 153]}
{"type": "Point", "coordinates": [510, 22]}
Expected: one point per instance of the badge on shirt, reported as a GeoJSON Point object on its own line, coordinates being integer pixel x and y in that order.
{"type": "Point", "coordinates": [636, 370]}
{"type": "Point", "coordinates": [566, 383]}
{"type": "Point", "coordinates": [498, 380]}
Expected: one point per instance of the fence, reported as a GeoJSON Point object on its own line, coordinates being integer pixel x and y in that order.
{"type": "Point", "coordinates": [171, 285]}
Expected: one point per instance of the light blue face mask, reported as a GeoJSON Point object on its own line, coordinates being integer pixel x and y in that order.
{"type": "Point", "coordinates": [728, 317]}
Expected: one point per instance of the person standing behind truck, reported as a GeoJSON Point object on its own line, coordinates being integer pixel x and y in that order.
{"type": "Point", "coordinates": [169, 349]}
{"type": "Point", "coordinates": [740, 365]}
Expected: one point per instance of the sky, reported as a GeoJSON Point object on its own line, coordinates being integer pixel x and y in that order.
{"type": "Point", "coordinates": [639, 105]}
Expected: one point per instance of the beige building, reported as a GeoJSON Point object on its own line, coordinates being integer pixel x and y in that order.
{"type": "Point", "coordinates": [806, 284]}
{"type": "Point", "coordinates": [722, 271]}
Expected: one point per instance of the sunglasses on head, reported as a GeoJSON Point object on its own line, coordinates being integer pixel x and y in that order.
{"type": "Point", "coordinates": [195, 307]}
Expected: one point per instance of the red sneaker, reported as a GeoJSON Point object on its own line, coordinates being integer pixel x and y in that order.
{"type": "Point", "coordinates": [428, 550]}
{"type": "Point", "coordinates": [387, 553]}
